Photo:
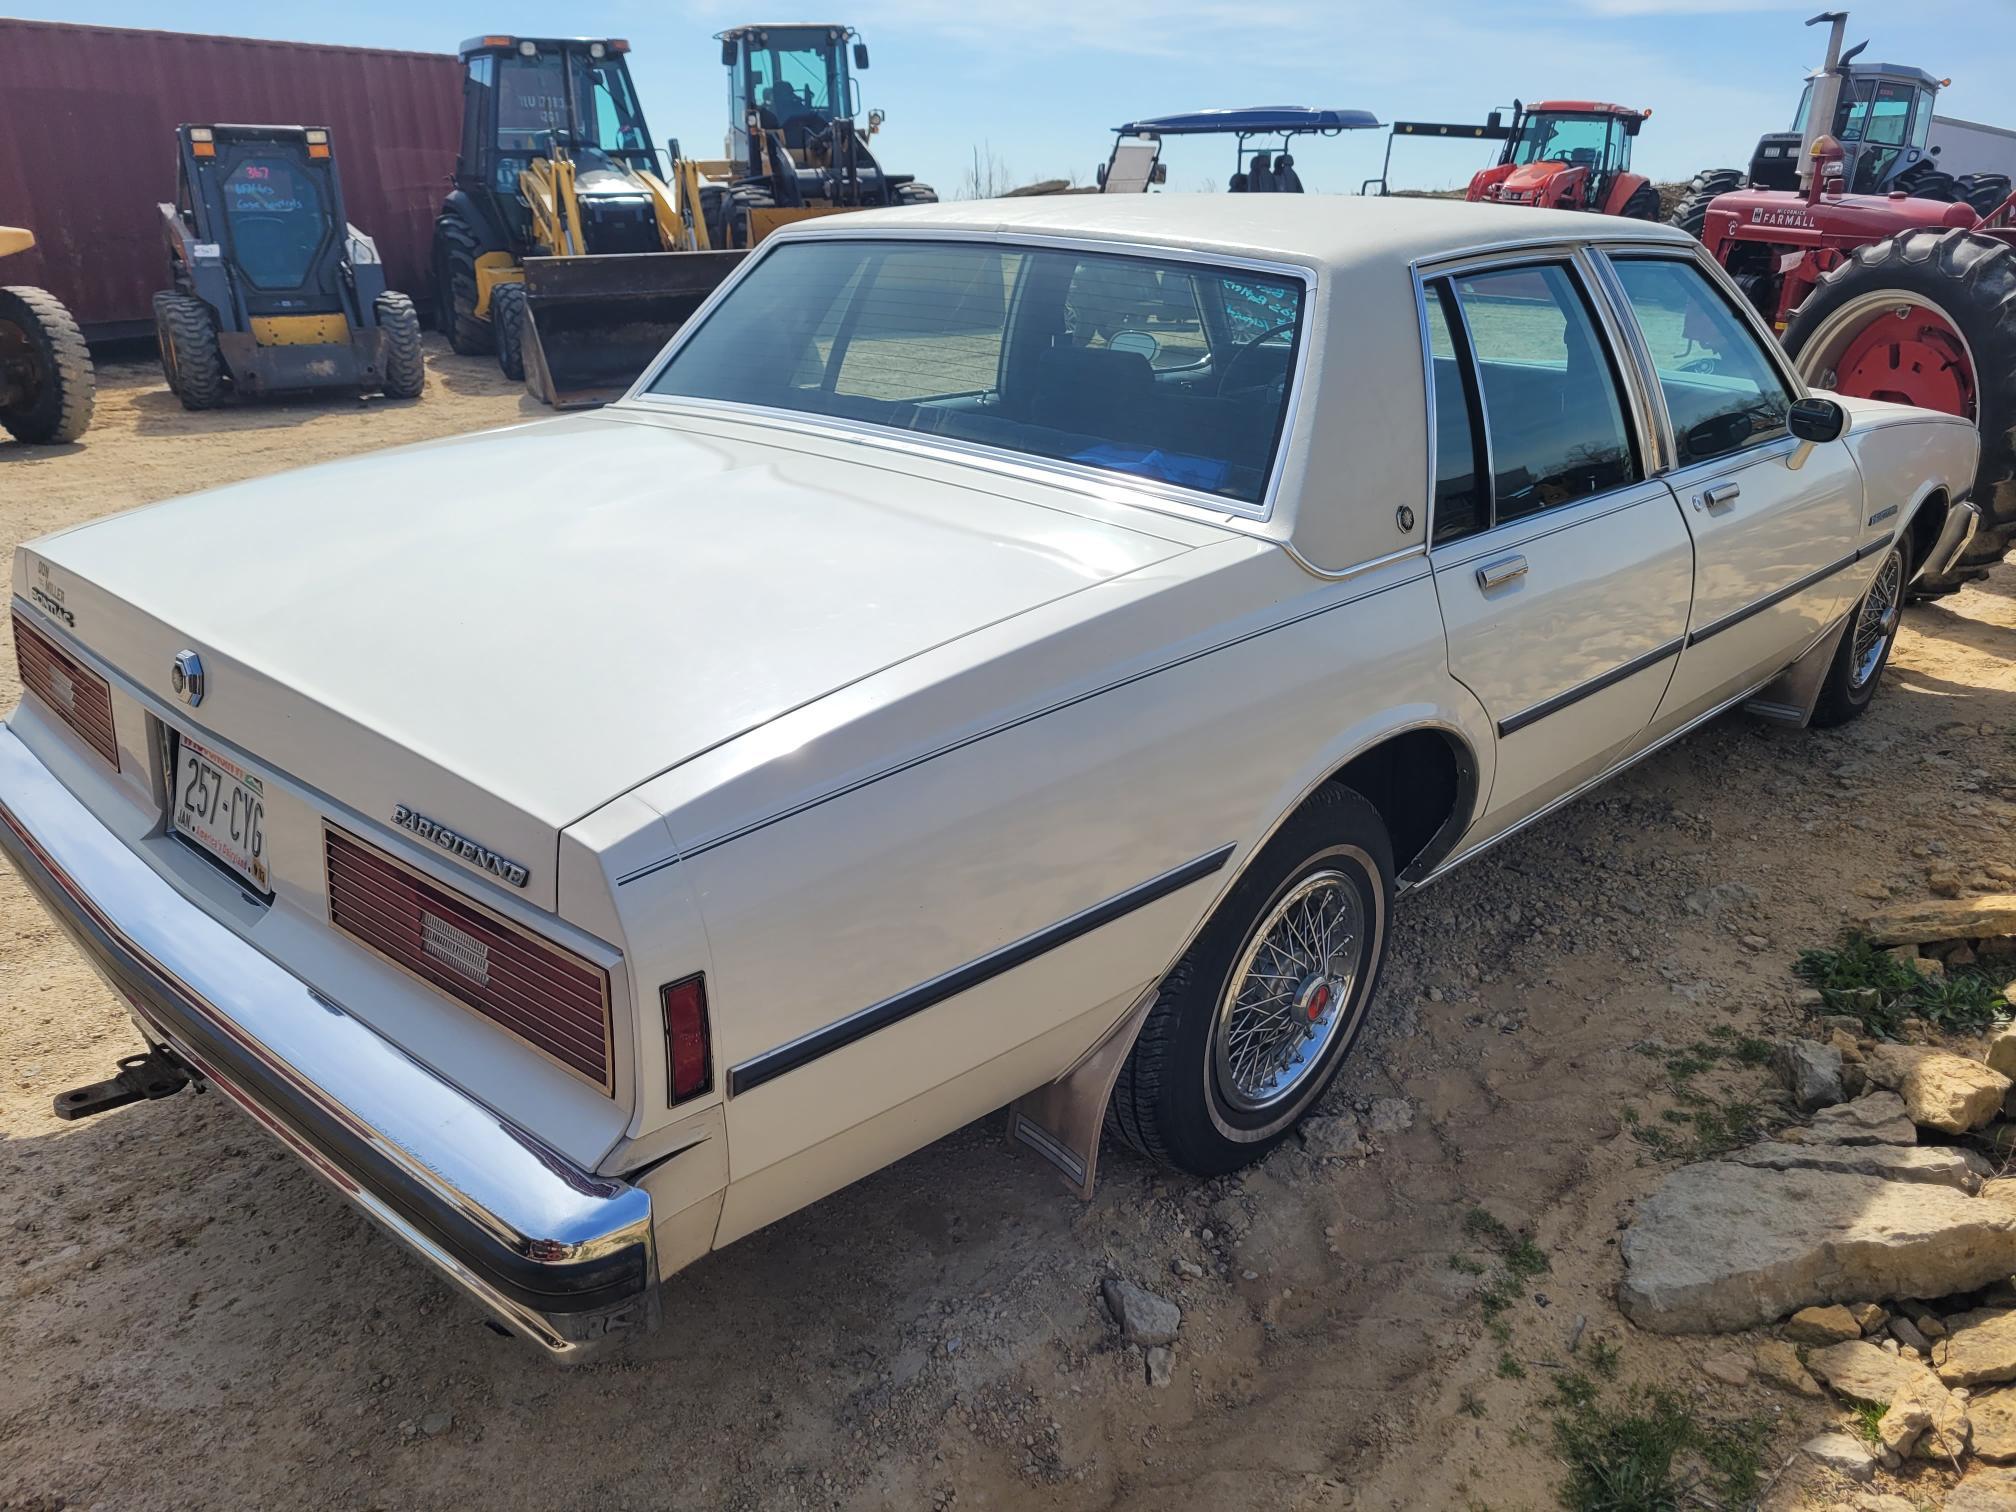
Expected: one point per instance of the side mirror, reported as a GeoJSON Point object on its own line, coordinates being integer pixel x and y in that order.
{"type": "Point", "coordinates": [728, 52]}
{"type": "Point", "coordinates": [1816, 419]}
{"type": "Point", "coordinates": [860, 54]}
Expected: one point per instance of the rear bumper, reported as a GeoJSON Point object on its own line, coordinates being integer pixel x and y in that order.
{"type": "Point", "coordinates": [561, 1256]}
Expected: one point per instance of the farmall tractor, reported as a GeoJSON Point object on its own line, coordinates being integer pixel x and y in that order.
{"type": "Point", "coordinates": [1888, 296]}
{"type": "Point", "coordinates": [1558, 155]}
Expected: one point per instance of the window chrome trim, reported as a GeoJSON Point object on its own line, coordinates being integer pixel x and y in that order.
{"type": "Point", "coordinates": [1652, 393]}
{"type": "Point", "coordinates": [1135, 490]}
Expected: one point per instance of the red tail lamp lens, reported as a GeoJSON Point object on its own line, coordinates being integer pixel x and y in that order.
{"type": "Point", "coordinates": [688, 1069]}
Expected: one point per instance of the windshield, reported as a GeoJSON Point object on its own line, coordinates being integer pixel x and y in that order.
{"type": "Point", "coordinates": [1581, 141]}
{"type": "Point", "coordinates": [588, 97]}
{"type": "Point", "coordinates": [273, 208]}
{"type": "Point", "coordinates": [797, 71]}
{"type": "Point", "coordinates": [1171, 371]}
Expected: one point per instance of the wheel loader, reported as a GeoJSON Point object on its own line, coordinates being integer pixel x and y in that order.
{"type": "Point", "coordinates": [560, 247]}
{"type": "Point", "coordinates": [271, 289]}
{"type": "Point", "coordinates": [48, 387]}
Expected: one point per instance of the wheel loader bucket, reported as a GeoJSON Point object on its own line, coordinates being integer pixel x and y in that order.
{"type": "Point", "coordinates": [594, 323]}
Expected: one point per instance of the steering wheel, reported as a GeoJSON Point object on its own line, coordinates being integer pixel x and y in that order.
{"type": "Point", "coordinates": [1239, 353]}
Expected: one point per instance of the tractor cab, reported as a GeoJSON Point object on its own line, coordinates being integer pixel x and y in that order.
{"type": "Point", "coordinates": [1562, 154]}
{"type": "Point", "coordinates": [1882, 118]}
{"type": "Point", "coordinates": [1261, 160]}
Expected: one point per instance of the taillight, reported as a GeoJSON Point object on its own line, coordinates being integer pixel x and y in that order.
{"type": "Point", "coordinates": [80, 697]}
{"type": "Point", "coordinates": [688, 1069]}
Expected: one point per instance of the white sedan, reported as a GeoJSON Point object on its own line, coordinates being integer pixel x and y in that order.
{"type": "Point", "coordinates": [1014, 653]}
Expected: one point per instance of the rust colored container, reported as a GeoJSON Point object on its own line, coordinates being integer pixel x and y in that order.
{"type": "Point", "coordinates": [87, 115]}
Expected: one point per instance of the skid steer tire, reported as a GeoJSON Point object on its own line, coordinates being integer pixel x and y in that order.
{"type": "Point", "coordinates": [61, 386]}
{"type": "Point", "coordinates": [1643, 204]}
{"type": "Point", "coordinates": [456, 246]}
{"type": "Point", "coordinates": [405, 365]}
{"type": "Point", "coordinates": [1691, 214]}
{"type": "Point", "coordinates": [1971, 280]}
{"type": "Point", "coordinates": [507, 321]}
{"type": "Point", "coordinates": [189, 353]}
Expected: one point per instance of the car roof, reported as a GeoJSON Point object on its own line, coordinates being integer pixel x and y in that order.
{"type": "Point", "coordinates": [1333, 232]}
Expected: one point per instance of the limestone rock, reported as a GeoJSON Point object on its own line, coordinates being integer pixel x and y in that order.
{"type": "Point", "coordinates": [1905, 1332]}
{"type": "Point", "coordinates": [1161, 1366]}
{"type": "Point", "coordinates": [1865, 1373]}
{"type": "Point", "coordinates": [1979, 1349]}
{"type": "Point", "coordinates": [1822, 1325]}
{"type": "Point", "coordinates": [1810, 1071]}
{"type": "Point", "coordinates": [1932, 1418]}
{"type": "Point", "coordinates": [1960, 919]}
{"type": "Point", "coordinates": [1891, 1162]}
{"type": "Point", "coordinates": [1721, 1247]}
{"type": "Point", "coordinates": [1730, 1368]}
{"type": "Point", "coordinates": [2002, 1049]}
{"type": "Point", "coordinates": [1333, 1135]}
{"type": "Point", "coordinates": [1841, 1454]}
{"type": "Point", "coordinates": [1940, 1090]}
{"type": "Point", "coordinates": [1394, 1115]}
{"type": "Point", "coordinates": [1984, 1490]}
{"type": "Point", "coordinates": [1144, 1318]}
{"type": "Point", "coordinates": [1993, 1414]}
{"type": "Point", "coordinates": [1869, 1315]}
{"type": "Point", "coordinates": [1779, 1364]}
{"type": "Point", "coordinates": [1902, 1425]}
{"type": "Point", "coordinates": [1876, 1119]}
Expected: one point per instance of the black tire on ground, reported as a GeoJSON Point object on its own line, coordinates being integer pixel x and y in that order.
{"type": "Point", "coordinates": [190, 358]}
{"type": "Point", "coordinates": [507, 321]}
{"type": "Point", "coordinates": [1170, 1101]}
{"type": "Point", "coordinates": [1642, 205]}
{"type": "Point", "coordinates": [456, 246]}
{"type": "Point", "coordinates": [405, 366]}
{"type": "Point", "coordinates": [1983, 191]}
{"type": "Point", "coordinates": [916, 194]}
{"type": "Point", "coordinates": [61, 386]}
{"type": "Point", "coordinates": [1865, 649]}
{"type": "Point", "coordinates": [1691, 214]}
{"type": "Point", "coordinates": [743, 198]}
{"type": "Point", "coordinates": [1972, 279]}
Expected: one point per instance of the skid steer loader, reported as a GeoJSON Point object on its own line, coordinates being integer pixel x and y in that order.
{"type": "Point", "coordinates": [47, 384]}
{"type": "Point", "coordinates": [271, 289]}
{"type": "Point", "coordinates": [560, 247]}
{"type": "Point", "coordinates": [794, 149]}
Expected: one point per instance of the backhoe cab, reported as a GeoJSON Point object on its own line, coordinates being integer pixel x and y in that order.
{"type": "Point", "coordinates": [271, 289]}
{"type": "Point", "coordinates": [794, 147]}
{"type": "Point", "coordinates": [551, 249]}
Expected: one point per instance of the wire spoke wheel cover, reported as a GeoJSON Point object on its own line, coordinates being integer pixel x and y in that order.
{"type": "Point", "coordinates": [1876, 623]}
{"type": "Point", "coordinates": [1290, 993]}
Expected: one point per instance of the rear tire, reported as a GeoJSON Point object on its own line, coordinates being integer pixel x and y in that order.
{"type": "Point", "coordinates": [405, 365]}
{"type": "Point", "coordinates": [1691, 214]}
{"type": "Point", "coordinates": [507, 321]}
{"type": "Point", "coordinates": [1969, 279]}
{"type": "Point", "coordinates": [1867, 642]}
{"type": "Point", "coordinates": [1194, 1091]}
{"type": "Point", "coordinates": [1983, 191]}
{"type": "Point", "coordinates": [1642, 205]}
{"type": "Point", "coordinates": [38, 333]}
{"type": "Point", "coordinates": [456, 247]}
{"type": "Point", "coordinates": [190, 357]}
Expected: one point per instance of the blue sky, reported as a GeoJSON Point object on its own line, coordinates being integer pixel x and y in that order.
{"type": "Point", "coordinates": [1041, 83]}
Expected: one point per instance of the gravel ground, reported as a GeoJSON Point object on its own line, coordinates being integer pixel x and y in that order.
{"type": "Point", "coordinates": [189, 1319]}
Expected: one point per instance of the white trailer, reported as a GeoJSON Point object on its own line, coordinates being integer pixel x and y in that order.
{"type": "Point", "coordinates": [1970, 147]}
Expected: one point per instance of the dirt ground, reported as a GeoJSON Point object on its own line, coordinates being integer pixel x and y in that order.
{"type": "Point", "coordinates": [189, 1319]}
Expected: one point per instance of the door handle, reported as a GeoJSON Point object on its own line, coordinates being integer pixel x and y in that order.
{"type": "Point", "coordinates": [1721, 495]}
{"type": "Point", "coordinates": [1497, 574]}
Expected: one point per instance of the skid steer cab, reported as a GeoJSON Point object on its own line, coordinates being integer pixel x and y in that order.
{"type": "Point", "coordinates": [271, 289]}
{"type": "Point", "coordinates": [560, 247]}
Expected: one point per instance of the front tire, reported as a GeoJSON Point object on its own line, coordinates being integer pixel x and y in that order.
{"type": "Point", "coordinates": [1253, 1023]}
{"type": "Point", "coordinates": [405, 366]}
{"type": "Point", "coordinates": [49, 367]}
{"type": "Point", "coordinates": [507, 320]}
{"type": "Point", "coordinates": [191, 358]}
{"type": "Point", "coordinates": [1642, 205]}
{"type": "Point", "coordinates": [1867, 642]}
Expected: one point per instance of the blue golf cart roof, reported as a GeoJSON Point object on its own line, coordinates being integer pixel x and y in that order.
{"type": "Point", "coordinates": [1254, 120]}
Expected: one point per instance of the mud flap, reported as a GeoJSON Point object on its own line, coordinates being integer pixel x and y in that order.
{"type": "Point", "coordinates": [1789, 697]}
{"type": "Point", "coordinates": [594, 323]}
{"type": "Point", "coordinates": [1062, 1120]}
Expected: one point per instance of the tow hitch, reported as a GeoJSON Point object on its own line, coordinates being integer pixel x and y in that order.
{"type": "Point", "coordinates": [141, 1078]}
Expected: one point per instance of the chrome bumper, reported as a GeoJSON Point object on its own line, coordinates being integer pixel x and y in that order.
{"type": "Point", "coordinates": [561, 1256]}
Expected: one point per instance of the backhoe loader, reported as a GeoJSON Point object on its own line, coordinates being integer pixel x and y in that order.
{"type": "Point", "coordinates": [561, 248]}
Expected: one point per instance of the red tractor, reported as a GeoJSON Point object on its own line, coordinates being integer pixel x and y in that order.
{"type": "Point", "coordinates": [1558, 155]}
{"type": "Point", "coordinates": [1888, 296]}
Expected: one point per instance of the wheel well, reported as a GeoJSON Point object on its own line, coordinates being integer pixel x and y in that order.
{"type": "Point", "coordinates": [1926, 524]}
{"type": "Point", "coordinates": [1424, 783]}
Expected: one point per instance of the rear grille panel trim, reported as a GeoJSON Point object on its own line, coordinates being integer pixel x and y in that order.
{"type": "Point", "coordinates": [542, 994]}
{"type": "Point", "coordinates": [46, 667]}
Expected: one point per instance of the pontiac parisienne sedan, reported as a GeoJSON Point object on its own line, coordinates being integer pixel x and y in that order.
{"type": "Point", "coordinates": [1015, 653]}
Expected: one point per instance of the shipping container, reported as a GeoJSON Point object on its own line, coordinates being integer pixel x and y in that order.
{"type": "Point", "coordinates": [87, 116]}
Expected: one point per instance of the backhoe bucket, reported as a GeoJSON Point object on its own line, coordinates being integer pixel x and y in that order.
{"type": "Point", "coordinates": [594, 323]}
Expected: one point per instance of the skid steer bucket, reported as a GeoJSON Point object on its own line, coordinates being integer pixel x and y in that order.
{"type": "Point", "coordinates": [594, 323]}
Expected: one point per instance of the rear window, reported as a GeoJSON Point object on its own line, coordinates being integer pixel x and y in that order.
{"type": "Point", "coordinates": [1175, 372]}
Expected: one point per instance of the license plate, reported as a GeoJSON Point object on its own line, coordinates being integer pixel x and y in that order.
{"type": "Point", "coordinates": [221, 807]}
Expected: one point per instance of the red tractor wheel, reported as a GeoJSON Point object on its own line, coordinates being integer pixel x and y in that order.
{"type": "Point", "coordinates": [1927, 317]}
